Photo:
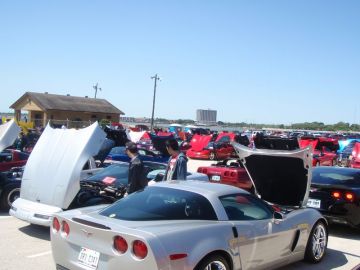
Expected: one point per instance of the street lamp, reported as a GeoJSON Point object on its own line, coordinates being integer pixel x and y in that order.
{"type": "Point", "coordinates": [155, 78]}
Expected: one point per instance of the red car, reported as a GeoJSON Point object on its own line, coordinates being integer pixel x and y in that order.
{"type": "Point", "coordinates": [12, 158]}
{"type": "Point", "coordinates": [203, 146]}
{"type": "Point", "coordinates": [355, 157]}
{"type": "Point", "coordinates": [324, 150]}
{"type": "Point", "coordinates": [230, 172]}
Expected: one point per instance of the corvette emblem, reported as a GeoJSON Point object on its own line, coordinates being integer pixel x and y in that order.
{"type": "Point", "coordinates": [86, 232]}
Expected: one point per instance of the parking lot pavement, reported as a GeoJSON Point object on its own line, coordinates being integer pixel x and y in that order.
{"type": "Point", "coordinates": [25, 246]}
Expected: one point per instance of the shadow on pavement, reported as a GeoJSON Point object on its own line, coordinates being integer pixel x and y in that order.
{"type": "Point", "coordinates": [4, 213]}
{"type": "Point", "coordinates": [36, 231]}
{"type": "Point", "coordinates": [343, 231]}
{"type": "Point", "coordinates": [333, 259]}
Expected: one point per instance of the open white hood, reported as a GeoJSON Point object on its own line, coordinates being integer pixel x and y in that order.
{"type": "Point", "coordinates": [135, 136]}
{"type": "Point", "coordinates": [52, 172]}
{"type": "Point", "coordinates": [8, 134]}
{"type": "Point", "coordinates": [279, 176]}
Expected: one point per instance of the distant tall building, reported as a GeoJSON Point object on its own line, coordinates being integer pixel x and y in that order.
{"type": "Point", "coordinates": [206, 116]}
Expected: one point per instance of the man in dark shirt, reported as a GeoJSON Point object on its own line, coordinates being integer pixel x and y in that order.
{"type": "Point", "coordinates": [137, 179]}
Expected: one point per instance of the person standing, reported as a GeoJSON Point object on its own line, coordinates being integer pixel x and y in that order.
{"type": "Point", "coordinates": [177, 164]}
{"type": "Point", "coordinates": [136, 179]}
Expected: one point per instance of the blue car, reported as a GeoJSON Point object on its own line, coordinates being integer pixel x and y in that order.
{"type": "Point", "coordinates": [118, 153]}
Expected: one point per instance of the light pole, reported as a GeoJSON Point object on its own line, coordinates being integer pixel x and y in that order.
{"type": "Point", "coordinates": [155, 78]}
{"type": "Point", "coordinates": [96, 87]}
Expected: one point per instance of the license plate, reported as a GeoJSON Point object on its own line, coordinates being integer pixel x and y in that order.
{"type": "Point", "coordinates": [89, 258]}
{"type": "Point", "coordinates": [313, 203]}
{"type": "Point", "coordinates": [215, 178]}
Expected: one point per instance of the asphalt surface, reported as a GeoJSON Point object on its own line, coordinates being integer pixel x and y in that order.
{"type": "Point", "coordinates": [25, 246]}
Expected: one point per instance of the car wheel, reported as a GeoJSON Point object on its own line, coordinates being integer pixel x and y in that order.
{"type": "Point", "coordinates": [9, 195]}
{"type": "Point", "coordinates": [212, 156]}
{"type": "Point", "coordinates": [317, 243]}
{"type": "Point", "coordinates": [213, 262]}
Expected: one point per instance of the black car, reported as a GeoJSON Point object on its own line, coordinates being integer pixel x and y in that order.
{"type": "Point", "coordinates": [109, 184]}
{"type": "Point", "coordinates": [10, 183]}
{"type": "Point", "coordinates": [335, 192]}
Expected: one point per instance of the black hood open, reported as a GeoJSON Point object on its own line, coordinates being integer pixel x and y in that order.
{"type": "Point", "coordinates": [279, 176]}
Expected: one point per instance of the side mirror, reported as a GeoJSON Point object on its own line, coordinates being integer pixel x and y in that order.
{"type": "Point", "coordinates": [159, 177]}
{"type": "Point", "coordinates": [278, 217]}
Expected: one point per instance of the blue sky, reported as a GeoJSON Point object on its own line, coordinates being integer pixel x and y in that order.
{"type": "Point", "coordinates": [254, 61]}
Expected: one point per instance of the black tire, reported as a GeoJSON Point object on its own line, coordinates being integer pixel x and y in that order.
{"type": "Point", "coordinates": [212, 156]}
{"type": "Point", "coordinates": [317, 243]}
{"type": "Point", "coordinates": [10, 193]}
{"type": "Point", "coordinates": [217, 261]}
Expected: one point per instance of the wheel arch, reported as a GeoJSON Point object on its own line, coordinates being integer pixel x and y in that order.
{"type": "Point", "coordinates": [222, 253]}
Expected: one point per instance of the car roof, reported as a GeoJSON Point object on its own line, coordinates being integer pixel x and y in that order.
{"type": "Point", "coordinates": [201, 187]}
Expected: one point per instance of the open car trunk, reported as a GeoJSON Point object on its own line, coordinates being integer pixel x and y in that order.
{"type": "Point", "coordinates": [279, 176]}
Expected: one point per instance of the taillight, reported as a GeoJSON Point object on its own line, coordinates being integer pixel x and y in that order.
{"type": "Point", "coordinates": [65, 228]}
{"type": "Point", "coordinates": [233, 174]}
{"type": "Point", "coordinates": [226, 173]}
{"type": "Point", "coordinates": [204, 171]}
{"type": "Point", "coordinates": [120, 244]}
{"type": "Point", "coordinates": [336, 194]}
{"type": "Point", "coordinates": [349, 196]}
{"type": "Point", "coordinates": [56, 224]}
{"type": "Point", "coordinates": [140, 249]}
{"type": "Point", "coordinates": [346, 195]}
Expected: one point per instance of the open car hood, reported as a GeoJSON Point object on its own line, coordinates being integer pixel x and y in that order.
{"type": "Point", "coordinates": [279, 176]}
{"type": "Point", "coordinates": [308, 142]}
{"type": "Point", "coordinates": [159, 143]}
{"type": "Point", "coordinates": [135, 136]}
{"type": "Point", "coordinates": [199, 142]}
{"type": "Point", "coordinates": [52, 173]}
{"type": "Point", "coordinates": [8, 134]}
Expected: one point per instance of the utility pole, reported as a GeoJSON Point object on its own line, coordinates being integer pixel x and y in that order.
{"type": "Point", "coordinates": [96, 87]}
{"type": "Point", "coordinates": [155, 78]}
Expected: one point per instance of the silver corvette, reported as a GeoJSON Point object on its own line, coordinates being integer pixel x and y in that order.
{"type": "Point", "coordinates": [199, 225]}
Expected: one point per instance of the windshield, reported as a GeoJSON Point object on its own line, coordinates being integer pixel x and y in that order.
{"type": "Point", "coordinates": [161, 203]}
{"type": "Point", "coordinates": [339, 176]}
{"type": "Point", "coordinates": [118, 171]}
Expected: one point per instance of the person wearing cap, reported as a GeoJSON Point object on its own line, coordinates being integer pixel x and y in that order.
{"type": "Point", "coordinates": [136, 179]}
{"type": "Point", "coordinates": [177, 164]}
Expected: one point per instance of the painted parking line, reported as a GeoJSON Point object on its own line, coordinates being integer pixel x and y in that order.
{"type": "Point", "coordinates": [38, 255]}
{"type": "Point", "coordinates": [5, 217]}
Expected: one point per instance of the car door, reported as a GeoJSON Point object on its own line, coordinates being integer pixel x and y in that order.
{"type": "Point", "coordinates": [263, 241]}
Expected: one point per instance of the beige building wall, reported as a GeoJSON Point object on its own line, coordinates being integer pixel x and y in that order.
{"type": "Point", "coordinates": [40, 117]}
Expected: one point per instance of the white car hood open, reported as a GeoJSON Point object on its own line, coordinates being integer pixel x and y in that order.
{"type": "Point", "coordinates": [8, 134]}
{"type": "Point", "coordinates": [135, 136]}
{"type": "Point", "coordinates": [279, 176]}
{"type": "Point", "coordinates": [52, 172]}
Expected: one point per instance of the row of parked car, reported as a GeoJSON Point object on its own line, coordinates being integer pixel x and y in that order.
{"type": "Point", "coordinates": [139, 229]}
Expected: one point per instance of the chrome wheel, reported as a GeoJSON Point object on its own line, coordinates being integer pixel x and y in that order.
{"type": "Point", "coordinates": [13, 195]}
{"type": "Point", "coordinates": [319, 241]}
{"type": "Point", "coordinates": [215, 265]}
{"type": "Point", "coordinates": [212, 156]}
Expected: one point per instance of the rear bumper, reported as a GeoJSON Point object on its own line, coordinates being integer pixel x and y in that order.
{"type": "Point", "coordinates": [33, 212]}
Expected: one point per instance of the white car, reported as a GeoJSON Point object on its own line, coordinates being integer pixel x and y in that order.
{"type": "Point", "coordinates": [51, 178]}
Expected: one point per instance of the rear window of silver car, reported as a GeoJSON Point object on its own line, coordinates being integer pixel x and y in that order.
{"type": "Point", "coordinates": [160, 203]}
